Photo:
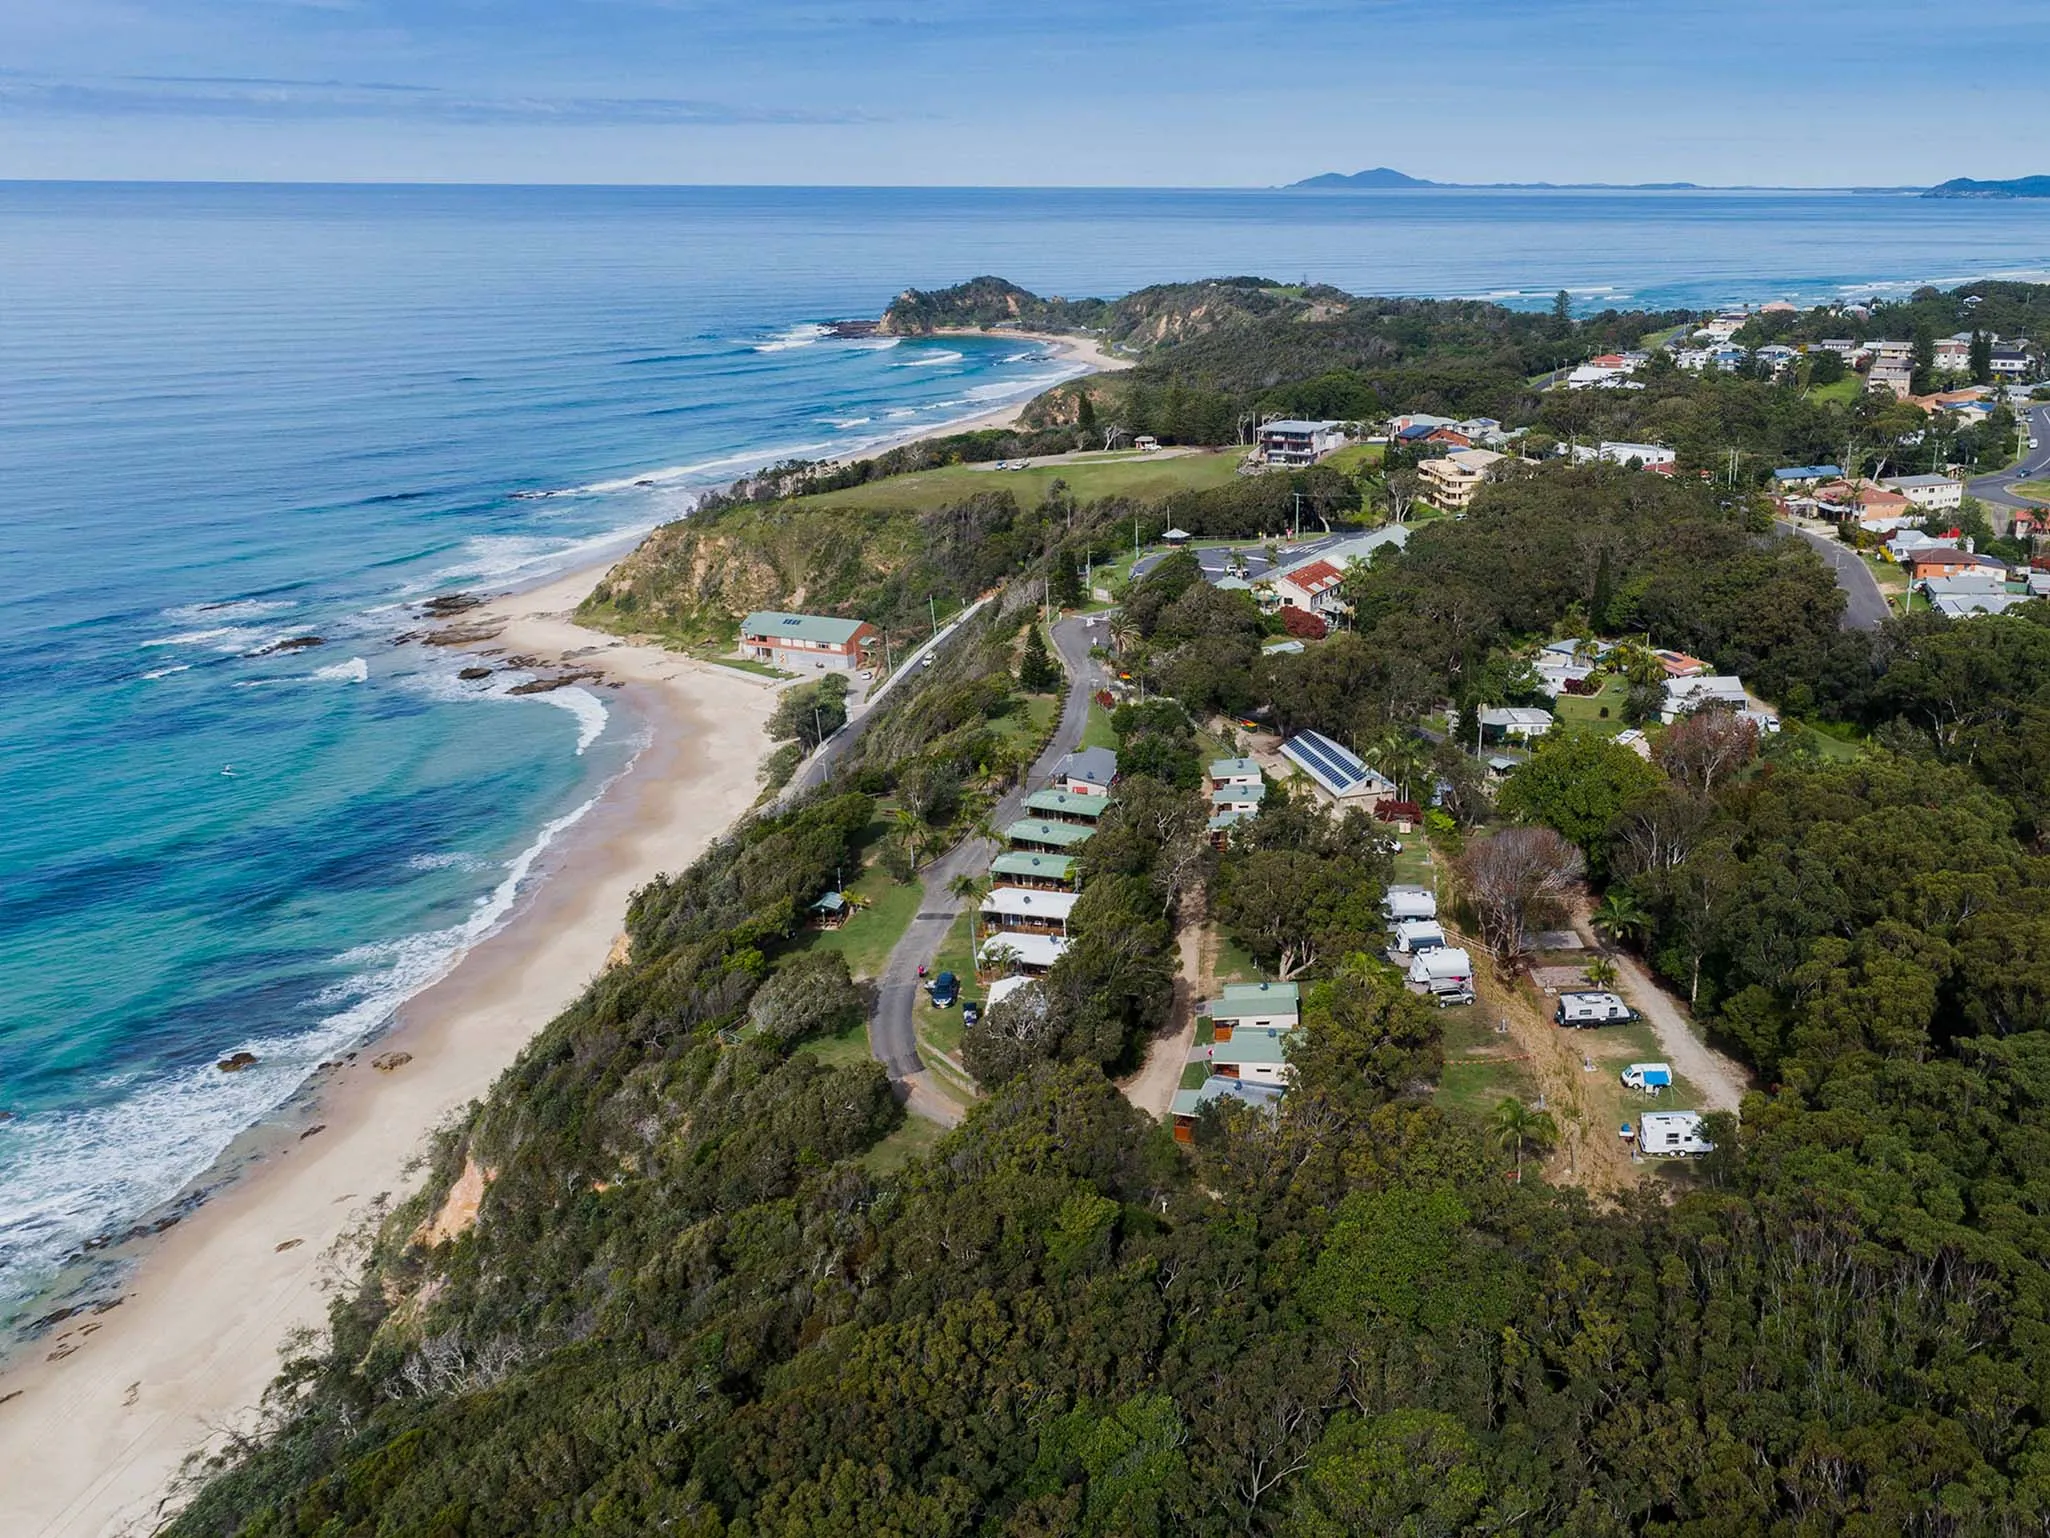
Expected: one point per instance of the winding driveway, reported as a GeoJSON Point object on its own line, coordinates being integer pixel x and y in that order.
{"type": "Point", "coordinates": [892, 1035]}
{"type": "Point", "coordinates": [1865, 607]}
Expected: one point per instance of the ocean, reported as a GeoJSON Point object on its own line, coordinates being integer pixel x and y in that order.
{"type": "Point", "coordinates": [234, 416]}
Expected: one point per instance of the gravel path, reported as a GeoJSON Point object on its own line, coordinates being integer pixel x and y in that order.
{"type": "Point", "coordinates": [1721, 1081]}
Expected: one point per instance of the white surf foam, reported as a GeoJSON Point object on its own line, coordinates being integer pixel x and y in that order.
{"type": "Point", "coordinates": [178, 667]}
{"type": "Point", "coordinates": [233, 635]}
{"type": "Point", "coordinates": [850, 422]}
{"type": "Point", "coordinates": [355, 671]}
{"type": "Point", "coordinates": [796, 336]}
{"type": "Point", "coordinates": [589, 710]}
{"type": "Point", "coordinates": [929, 360]}
{"type": "Point", "coordinates": [875, 344]}
{"type": "Point", "coordinates": [77, 1174]}
{"type": "Point", "coordinates": [226, 609]}
{"type": "Point", "coordinates": [445, 860]}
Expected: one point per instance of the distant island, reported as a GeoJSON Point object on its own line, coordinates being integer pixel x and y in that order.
{"type": "Point", "coordinates": [1382, 178]}
{"type": "Point", "coordinates": [2015, 187]}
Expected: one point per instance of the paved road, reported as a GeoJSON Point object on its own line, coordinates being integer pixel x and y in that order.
{"type": "Point", "coordinates": [2034, 466]}
{"type": "Point", "coordinates": [819, 766]}
{"type": "Point", "coordinates": [1216, 560]}
{"type": "Point", "coordinates": [892, 1039]}
{"type": "Point", "coordinates": [1866, 608]}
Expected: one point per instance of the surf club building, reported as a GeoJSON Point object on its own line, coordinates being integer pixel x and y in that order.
{"type": "Point", "coordinates": [806, 642]}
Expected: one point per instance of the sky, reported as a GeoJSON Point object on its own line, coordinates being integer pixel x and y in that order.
{"type": "Point", "coordinates": [1046, 92]}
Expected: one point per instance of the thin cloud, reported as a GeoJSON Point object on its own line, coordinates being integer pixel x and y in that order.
{"type": "Point", "coordinates": [250, 99]}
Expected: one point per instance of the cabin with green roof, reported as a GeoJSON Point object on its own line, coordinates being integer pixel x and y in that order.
{"type": "Point", "coordinates": [1256, 1006]}
{"type": "Point", "coordinates": [1067, 805]}
{"type": "Point", "coordinates": [1023, 867]}
{"type": "Point", "coordinates": [800, 642]}
{"type": "Point", "coordinates": [1042, 833]}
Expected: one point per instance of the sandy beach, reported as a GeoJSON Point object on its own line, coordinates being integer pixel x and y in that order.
{"type": "Point", "coordinates": [196, 1339]}
{"type": "Point", "coordinates": [96, 1423]}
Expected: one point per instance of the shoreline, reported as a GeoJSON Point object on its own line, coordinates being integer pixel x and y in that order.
{"type": "Point", "coordinates": [195, 1340]}
{"type": "Point", "coordinates": [180, 1362]}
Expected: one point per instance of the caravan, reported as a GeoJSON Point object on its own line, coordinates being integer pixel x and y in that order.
{"type": "Point", "coordinates": [1409, 902]}
{"type": "Point", "coordinates": [1445, 973]}
{"type": "Point", "coordinates": [1592, 1009]}
{"type": "Point", "coordinates": [1671, 1135]}
{"type": "Point", "coordinates": [1415, 936]}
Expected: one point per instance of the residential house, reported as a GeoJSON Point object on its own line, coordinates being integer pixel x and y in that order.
{"type": "Point", "coordinates": [1042, 872]}
{"type": "Point", "coordinates": [1972, 605]}
{"type": "Point", "coordinates": [1255, 1006]}
{"type": "Point", "coordinates": [1843, 346]}
{"type": "Point", "coordinates": [2012, 361]}
{"type": "Point", "coordinates": [1313, 587]}
{"type": "Point", "coordinates": [1067, 805]}
{"type": "Point", "coordinates": [1030, 954]}
{"type": "Point", "coordinates": [1244, 799]}
{"type": "Point", "coordinates": [1030, 910]}
{"type": "Point", "coordinates": [1482, 432]}
{"type": "Point", "coordinates": [1646, 454]}
{"type": "Point", "coordinates": [1087, 772]}
{"type": "Point", "coordinates": [1680, 665]}
{"type": "Point", "coordinates": [1505, 721]}
{"type": "Point", "coordinates": [1449, 483]}
{"type": "Point", "coordinates": [1903, 545]}
{"type": "Point", "coordinates": [1895, 374]}
{"type": "Point", "coordinates": [1339, 778]}
{"type": "Point", "coordinates": [815, 641]}
{"type": "Point", "coordinates": [1954, 354]}
{"type": "Point", "coordinates": [1684, 696]}
{"type": "Point", "coordinates": [1218, 828]}
{"type": "Point", "coordinates": [1234, 771]}
{"type": "Point", "coordinates": [1039, 833]}
{"type": "Point", "coordinates": [1187, 1108]}
{"type": "Point", "coordinates": [1259, 1056]}
{"type": "Point", "coordinates": [1796, 477]}
{"type": "Point", "coordinates": [1940, 561]}
{"type": "Point", "coordinates": [1295, 443]}
{"type": "Point", "coordinates": [1936, 493]}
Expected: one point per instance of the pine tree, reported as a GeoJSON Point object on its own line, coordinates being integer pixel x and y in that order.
{"type": "Point", "coordinates": [1037, 673]}
{"type": "Point", "coordinates": [1067, 579]}
{"type": "Point", "coordinates": [1604, 594]}
{"type": "Point", "coordinates": [1085, 410]}
{"type": "Point", "coordinates": [1982, 357]}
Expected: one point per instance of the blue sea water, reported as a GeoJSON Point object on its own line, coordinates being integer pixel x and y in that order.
{"type": "Point", "coordinates": [233, 415]}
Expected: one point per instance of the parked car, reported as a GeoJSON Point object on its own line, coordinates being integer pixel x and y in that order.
{"type": "Point", "coordinates": [1647, 1076]}
{"type": "Point", "coordinates": [944, 990]}
{"type": "Point", "coordinates": [970, 1013]}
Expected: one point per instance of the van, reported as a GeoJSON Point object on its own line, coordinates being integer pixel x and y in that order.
{"type": "Point", "coordinates": [1580, 1009]}
{"type": "Point", "coordinates": [1647, 1076]}
{"type": "Point", "coordinates": [1415, 936]}
{"type": "Point", "coordinates": [1672, 1135]}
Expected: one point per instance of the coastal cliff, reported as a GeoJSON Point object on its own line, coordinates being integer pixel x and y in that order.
{"type": "Point", "coordinates": [1164, 315]}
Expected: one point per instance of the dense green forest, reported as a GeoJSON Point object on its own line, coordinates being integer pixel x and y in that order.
{"type": "Point", "coordinates": [702, 1297]}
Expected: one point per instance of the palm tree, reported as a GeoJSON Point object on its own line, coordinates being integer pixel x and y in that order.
{"type": "Point", "coordinates": [1601, 972]}
{"type": "Point", "coordinates": [1515, 1127]}
{"type": "Point", "coordinates": [1400, 754]}
{"type": "Point", "coordinates": [1620, 917]}
{"type": "Point", "coordinates": [912, 832]}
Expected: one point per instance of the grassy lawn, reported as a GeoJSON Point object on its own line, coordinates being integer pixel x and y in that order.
{"type": "Point", "coordinates": [1096, 732]}
{"type": "Point", "coordinates": [2036, 490]}
{"type": "Point", "coordinates": [1584, 711]}
{"type": "Point", "coordinates": [1831, 747]}
{"type": "Point", "coordinates": [865, 939]}
{"type": "Point", "coordinates": [1358, 457]}
{"type": "Point", "coordinates": [1413, 863]}
{"type": "Point", "coordinates": [1143, 477]}
{"type": "Point", "coordinates": [941, 1028]}
{"type": "Point", "coordinates": [1844, 391]}
{"type": "Point", "coordinates": [1194, 1075]}
{"type": "Point", "coordinates": [1477, 1076]}
{"type": "Point", "coordinates": [850, 1046]}
{"type": "Point", "coordinates": [1029, 725]}
{"type": "Point", "coordinates": [916, 1138]}
{"type": "Point", "coordinates": [1234, 962]}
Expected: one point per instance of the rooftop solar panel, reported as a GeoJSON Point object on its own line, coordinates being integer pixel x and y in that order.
{"type": "Point", "coordinates": [1326, 759]}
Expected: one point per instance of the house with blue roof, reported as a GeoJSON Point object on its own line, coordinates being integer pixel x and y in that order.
{"type": "Point", "coordinates": [1805, 476]}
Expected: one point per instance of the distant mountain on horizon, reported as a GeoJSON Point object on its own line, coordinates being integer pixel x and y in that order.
{"type": "Point", "coordinates": [1382, 177]}
{"type": "Point", "coordinates": [2014, 187]}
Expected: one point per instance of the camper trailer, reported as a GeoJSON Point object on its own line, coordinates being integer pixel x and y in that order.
{"type": "Point", "coordinates": [1409, 902]}
{"type": "Point", "coordinates": [1649, 1077]}
{"type": "Point", "coordinates": [1415, 936]}
{"type": "Point", "coordinates": [1671, 1135]}
{"type": "Point", "coordinates": [1445, 965]}
{"type": "Point", "coordinates": [1592, 1009]}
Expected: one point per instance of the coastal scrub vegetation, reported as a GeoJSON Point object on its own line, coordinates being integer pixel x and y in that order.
{"type": "Point", "coordinates": [695, 1302]}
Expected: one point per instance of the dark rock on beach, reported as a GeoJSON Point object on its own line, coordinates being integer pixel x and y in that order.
{"type": "Point", "coordinates": [561, 681]}
{"type": "Point", "coordinates": [471, 675]}
{"type": "Point", "coordinates": [237, 1062]}
{"type": "Point", "coordinates": [446, 604]}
